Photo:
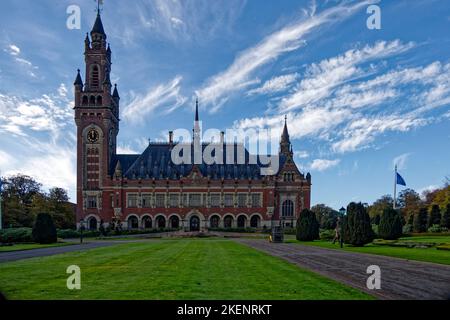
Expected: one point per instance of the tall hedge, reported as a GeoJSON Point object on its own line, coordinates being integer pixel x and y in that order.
{"type": "Point", "coordinates": [390, 227]}
{"type": "Point", "coordinates": [446, 218]}
{"type": "Point", "coordinates": [435, 216]}
{"type": "Point", "coordinates": [44, 230]}
{"type": "Point", "coordinates": [358, 230]}
{"type": "Point", "coordinates": [307, 226]}
{"type": "Point", "coordinates": [420, 220]}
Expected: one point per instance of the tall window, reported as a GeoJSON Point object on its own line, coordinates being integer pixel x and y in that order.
{"type": "Point", "coordinates": [287, 209]}
{"type": "Point", "coordinates": [95, 76]}
{"type": "Point", "coordinates": [132, 200]}
{"type": "Point", "coordinates": [195, 200]}
{"type": "Point", "coordinates": [174, 200]}
{"type": "Point", "coordinates": [160, 200]}
{"type": "Point", "coordinates": [92, 202]}
{"type": "Point", "coordinates": [146, 200]}
{"type": "Point", "coordinates": [256, 200]}
{"type": "Point", "coordinates": [228, 200]}
{"type": "Point", "coordinates": [242, 200]}
{"type": "Point", "coordinates": [215, 200]}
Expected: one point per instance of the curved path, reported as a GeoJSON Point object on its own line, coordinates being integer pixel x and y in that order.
{"type": "Point", "coordinates": [400, 278]}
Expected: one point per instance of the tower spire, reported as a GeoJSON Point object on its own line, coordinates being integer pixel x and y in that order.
{"type": "Point", "coordinates": [285, 143]}
{"type": "Point", "coordinates": [196, 109]}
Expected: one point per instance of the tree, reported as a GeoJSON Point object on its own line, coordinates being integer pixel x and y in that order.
{"type": "Point", "coordinates": [420, 220]}
{"type": "Point", "coordinates": [61, 209]}
{"type": "Point", "coordinates": [44, 230]}
{"type": "Point", "coordinates": [435, 216]}
{"type": "Point", "coordinates": [326, 216]}
{"type": "Point", "coordinates": [446, 218]}
{"type": "Point", "coordinates": [390, 227]}
{"type": "Point", "coordinates": [359, 230]}
{"type": "Point", "coordinates": [307, 226]}
{"type": "Point", "coordinates": [409, 202]}
{"type": "Point", "coordinates": [376, 209]}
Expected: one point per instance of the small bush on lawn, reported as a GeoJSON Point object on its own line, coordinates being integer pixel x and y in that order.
{"type": "Point", "coordinates": [407, 228]}
{"type": "Point", "coordinates": [390, 227]}
{"type": "Point", "coordinates": [326, 234]}
{"type": "Point", "coordinates": [307, 226]}
{"type": "Point", "coordinates": [16, 235]}
{"type": "Point", "coordinates": [436, 228]}
{"type": "Point", "coordinates": [357, 228]}
{"type": "Point", "coordinates": [44, 230]}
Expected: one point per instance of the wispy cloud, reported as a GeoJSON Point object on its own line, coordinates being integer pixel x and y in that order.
{"type": "Point", "coordinates": [15, 53]}
{"type": "Point", "coordinates": [276, 84]}
{"type": "Point", "coordinates": [240, 74]}
{"type": "Point", "coordinates": [323, 164]}
{"type": "Point", "coordinates": [164, 98]}
{"type": "Point", "coordinates": [400, 161]}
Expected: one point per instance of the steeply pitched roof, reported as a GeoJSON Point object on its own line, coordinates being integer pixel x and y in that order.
{"type": "Point", "coordinates": [156, 162]}
{"type": "Point", "coordinates": [78, 80]}
{"type": "Point", "coordinates": [98, 25]}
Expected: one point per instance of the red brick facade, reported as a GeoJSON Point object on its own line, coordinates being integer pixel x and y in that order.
{"type": "Point", "coordinates": [140, 192]}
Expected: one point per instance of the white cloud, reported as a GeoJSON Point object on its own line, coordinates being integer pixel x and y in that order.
{"type": "Point", "coordinates": [13, 50]}
{"type": "Point", "coordinates": [290, 38]}
{"type": "Point", "coordinates": [301, 154]}
{"type": "Point", "coordinates": [126, 149]}
{"type": "Point", "coordinates": [165, 96]}
{"type": "Point", "coordinates": [5, 159]}
{"type": "Point", "coordinates": [323, 164]}
{"type": "Point", "coordinates": [400, 161]}
{"type": "Point", "coordinates": [276, 84]}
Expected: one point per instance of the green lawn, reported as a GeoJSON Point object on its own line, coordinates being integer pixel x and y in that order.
{"type": "Point", "coordinates": [420, 254]}
{"type": "Point", "coordinates": [29, 246]}
{"type": "Point", "coordinates": [175, 269]}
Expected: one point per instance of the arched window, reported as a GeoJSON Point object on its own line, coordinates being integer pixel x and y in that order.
{"type": "Point", "coordinates": [228, 222]}
{"type": "Point", "coordinates": [241, 221]}
{"type": "Point", "coordinates": [147, 222]}
{"type": "Point", "coordinates": [99, 101]}
{"type": "Point", "coordinates": [92, 223]}
{"type": "Point", "coordinates": [85, 101]}
{"type": "Point", "coordinates": [95, 76]}
{"type": "Point", "coordinates": [92, 100]}
{"type": "Point", "coordinates": [287, 209]}
{"type": "Point", "coordinates": [214, 222]}
{"type": "Point", "coordinates": [254, 222]}
{"type": "Point", "coordinates": [174, 222]}
{"type": "Point", "coordinates": [160, 222]}
{"type": "Point", "coordinates": [133, 222]}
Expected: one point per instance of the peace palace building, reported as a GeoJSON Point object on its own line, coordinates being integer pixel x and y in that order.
{"type": "Point", "coordinates": [149, 190]}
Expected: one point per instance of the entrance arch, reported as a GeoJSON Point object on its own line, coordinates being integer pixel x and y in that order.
{"type": "Point", "coordinates": [160, 222]}
{"type": "Point", "coordinates": [254, 221]}
{"type": "Point", "coordinates": [194, 223]}
{"type": "Point", "coordinates": [241, 220]}
{"type": "Point", "coordinates": [174, 222]}
{"type": "Point", "coordinates": [92, 223]}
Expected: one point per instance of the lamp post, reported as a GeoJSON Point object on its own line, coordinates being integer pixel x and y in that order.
{"type": "Point", "coordinates": [342, 212]}
{"type": "Point", "coordinates": [81, 230]}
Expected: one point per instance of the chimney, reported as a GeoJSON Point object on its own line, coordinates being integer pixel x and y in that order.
{"type": "Point", "coordinates": [170, 137]}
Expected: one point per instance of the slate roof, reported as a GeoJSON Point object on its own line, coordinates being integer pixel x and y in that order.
{"type": "Point", "coordinates": [98, 26]}
{"type": "Point", "coordinates": [155, 162]}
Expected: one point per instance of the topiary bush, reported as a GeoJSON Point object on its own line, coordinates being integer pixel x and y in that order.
{"type": "Point", "coordinates": [407, 228]}
{"type": "Point", "coordinates": [390, 227]}
{"type": "Point", "coordinates": [358, 230]}
{"type": "Point", "coordinates": [44, 230]}
{"type": "Point", "coordinates": [307, 226]}
{"type": "Point", "coordinates": [326, 234]}
{"type": "Point", "coordinates": [435, 216]}
{"type": "Point", "coordinates": [16, 235]}
{"type": "Point", "coordinates": [445, 222]}
{"type": "Point", "coordinates": [420, 220]}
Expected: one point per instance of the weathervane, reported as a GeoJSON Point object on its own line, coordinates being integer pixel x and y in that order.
{"type": "Point", "coordinates": [99, 3]}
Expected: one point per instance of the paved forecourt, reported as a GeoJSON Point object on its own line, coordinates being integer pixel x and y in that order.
{"type": "Point", "coordinates": [400, 278]}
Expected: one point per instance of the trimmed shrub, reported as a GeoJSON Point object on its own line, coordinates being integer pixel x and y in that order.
{"type": "Point", "coordinates": [44, 230]}
{"type": "Point", "coordinates": [435, 216]}
{"type": "Point", "coordinates": [358, 230]}
{"type": "Point", "coordinates": [435, 228]}
{"type": "Point", "coordinates": [446, 218]}
{"type": "Point", "coordinates": [327, 234]}
{"type": "Point", "coordinates": [420, 220]}
{"type": "Point", "coordinates": [307, 226]}
{"type": "Point", "coordinates": [16, 235]}
{"type": "Point", "coordinates": [407, 228]}
{"type": "Point", "coordinates": [375, 229]}
{"type": "Point", "coordinates": [390, 227]}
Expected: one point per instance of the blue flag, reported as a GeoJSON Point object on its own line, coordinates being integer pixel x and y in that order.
{"type": "Point", "coordinates": [400, 180]}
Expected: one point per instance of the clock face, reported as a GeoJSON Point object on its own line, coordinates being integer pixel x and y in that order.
{"type": "Point", "coordinates": [92, 136]}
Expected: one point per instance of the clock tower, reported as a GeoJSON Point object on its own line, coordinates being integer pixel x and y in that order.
{"type": "Point", "coordinates": [97, 121]}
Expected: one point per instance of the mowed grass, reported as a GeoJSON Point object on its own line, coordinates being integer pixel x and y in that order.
{"type": "Point", "coordinates": [29, 246]}
{"type": "Point", "coordinates": [419, 254]}
{"type": "Point", "coordinates": [175, 269]}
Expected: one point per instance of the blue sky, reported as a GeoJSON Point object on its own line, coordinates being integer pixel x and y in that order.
{"type": "Point", "coordinates": [358, 100]}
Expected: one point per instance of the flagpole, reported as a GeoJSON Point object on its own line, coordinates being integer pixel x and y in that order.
{"type": "Point", "coordinates": [395, 186]}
